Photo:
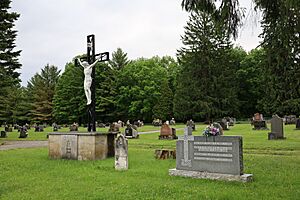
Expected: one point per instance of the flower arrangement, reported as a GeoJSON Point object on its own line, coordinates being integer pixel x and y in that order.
{"type": "Point", "coordinates": [211, 131]}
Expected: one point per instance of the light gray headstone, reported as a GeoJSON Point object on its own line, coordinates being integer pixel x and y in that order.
{"type": "Point", "coordinates": [277, 126]}
{"type": "Point", "coordinates": [121, 153]}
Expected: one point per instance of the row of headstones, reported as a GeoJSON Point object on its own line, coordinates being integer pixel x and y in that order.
{"type": "Point", "coordinates": [168, 133]}
{"type": "Point", "coordinates": [260, 124]}
{"type": "Point", "coordinates": [276, 127]}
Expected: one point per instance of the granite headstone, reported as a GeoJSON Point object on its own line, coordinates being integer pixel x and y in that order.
{"type": "Point", "coordinates": [215, 157]}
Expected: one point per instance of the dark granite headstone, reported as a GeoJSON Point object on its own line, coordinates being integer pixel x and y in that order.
{"type": "Point", "coordinates": [23, 132]}
{"type": "Point", "coordinates": [131, 132]}
{"type": "Point", "coordinates": [276, 128]}
{"type": "Point", "coordinates": [298, 124]}
{"type": "Point", "coordinates": [3, 134]}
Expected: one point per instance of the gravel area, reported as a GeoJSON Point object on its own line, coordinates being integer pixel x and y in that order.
{"type": "Point", "coordinates": [22, 144]}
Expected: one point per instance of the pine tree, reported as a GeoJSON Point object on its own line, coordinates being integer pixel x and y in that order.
{"type": "Point", "coordinates": [9, 77]}
{"type": "Point", "coordinates": [119, 59]}
{"type": "Point", "coordinates": [42, 88]}
{"type": "Point", "coordinates": [205, 86]}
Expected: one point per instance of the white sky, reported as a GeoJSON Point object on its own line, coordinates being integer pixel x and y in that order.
{"type": "Point", "coordinates": [54, 31]}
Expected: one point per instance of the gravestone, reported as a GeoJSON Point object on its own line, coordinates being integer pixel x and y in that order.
{"type": "Point", "coordinates": [214, 157]}
{"type": "Point", "coordinates": [39, 128]}
{"type": "Point", "coordinates": [276, 128]}
{"type": "Point", "coordinates": [131, 132]}
{"type": "Point", "coordinates": [298, 124]}
{"type": "Point", "coordinates": [172, 122]}
{"type": "Point", "coordinates": [121, 153]}
{"type": "Point", "coordinates": [3, 134]}
{"type": "Point", "coordinates": [224, 124]}
{"type": "Point", "coordinates": [157, 122]}
{"type": "Point", "coordinates": [258, 122]}
{"type": "Point", "coordinates": [101, 125]}
{"type": "Point", "coordinates": [55, 127]}
{"type": "Point", "coordinates": [114, 127]}
{"type": "Point", "coordinates": [7, 128]}
{"type": "Point", "coordinates": [191, 124]}
{"type": "Point", "coordinates": [167, 133]}
{"type": "Point", "coordinates": [23, 132]}
{"type": "Point", "coordinates": [74, 127]}
{"type": "Point", "coordinates": [290, 119]}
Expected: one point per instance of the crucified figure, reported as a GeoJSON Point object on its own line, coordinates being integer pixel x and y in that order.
{"type": "Point", "coordinates": [87, 68]}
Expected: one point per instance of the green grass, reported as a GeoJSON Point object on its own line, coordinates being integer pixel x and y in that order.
{"type": "Point", "coordinates": [29, 174]}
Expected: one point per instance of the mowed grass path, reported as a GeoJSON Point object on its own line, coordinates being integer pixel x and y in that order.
{"type": "Point", "coordinates": [29, 174]}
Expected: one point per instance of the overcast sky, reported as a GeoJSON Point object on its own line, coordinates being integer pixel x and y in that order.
{"type": "Point", "coordinates": [54, 31]}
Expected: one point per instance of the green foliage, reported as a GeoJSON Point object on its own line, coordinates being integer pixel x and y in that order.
{"type": "Point", "coordinates": [163, 108]}
{"type": "Point", "coordinates": [205, 86]}
{"type": "Point", "coordinates": [42, 88]}
{"type": "Point", "coordinates": [119, 59]}
{"type": "Point", "coordinates": [69, 100]}
{"type": "Point", "coordinates": [281, 28]}
{"type": "Point", "coordinates": [250, 80]}
{"type": "Point", "coordinates": [139, 88]}
{"type": "Point", "coordinates": [106, 93]}
{"type": "Point", "coordinates": [227, 14]}
{"type": "Point", "coordinates": [9, 77]}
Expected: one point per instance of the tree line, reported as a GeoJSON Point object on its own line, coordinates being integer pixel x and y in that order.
{"type": "Point", "coordinates": [209, 79]}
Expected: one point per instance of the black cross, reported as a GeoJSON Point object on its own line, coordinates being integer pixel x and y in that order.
{"type": "Point", "coordinates": [91, 58]}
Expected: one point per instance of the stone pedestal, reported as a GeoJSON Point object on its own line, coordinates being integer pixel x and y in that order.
{"type": "Point", "coordinates": [81, 146]}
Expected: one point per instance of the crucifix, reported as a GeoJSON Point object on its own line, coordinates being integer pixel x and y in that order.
{"type": "Point", "coordinates": [88, 64]}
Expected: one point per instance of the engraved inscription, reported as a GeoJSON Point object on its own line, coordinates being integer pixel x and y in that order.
{"type": "Point", "coordinates": [213, 151]}
{"type": "Point", "coordinates": [213, 148]}
{"type": "Point", "coordinates": [213, 159]}
{"type": "Point", "coordinates": [214, 143]}
{"type": "Point", "coordinates": [226, 155]}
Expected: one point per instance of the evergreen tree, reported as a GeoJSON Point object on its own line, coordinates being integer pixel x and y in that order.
{"type": "Point", "coordinates": [69, 102]}
{"type": "Point", "coordinates": [205, 87]}
{"type": "Point", "coordinates": [225, 13]}
{"type": "Point", "coordinates": [9, 77]}
{"type": "Point", "coordinates": [281, 41]}
{"type": "Point", "coordinates": [42, 88]}
{"type": "Point", "coordinates": [163, 108]}
{"type": "Point", "coordinates": [119, 59]}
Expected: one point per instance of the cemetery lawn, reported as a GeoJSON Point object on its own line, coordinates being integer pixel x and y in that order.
{"type": "Point", "coordinates": [275, 165]}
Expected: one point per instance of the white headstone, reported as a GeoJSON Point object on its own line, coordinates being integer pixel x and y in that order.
{"type": "Point", "coordinates": [121, 153]}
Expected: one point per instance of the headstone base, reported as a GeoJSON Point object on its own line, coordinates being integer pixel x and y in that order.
{"type": "Point", "coordinates": [273, 136]}
{"type": "Point", "coordinates": [212, 176]}
{"type": "Point", "coordinates": [167, 137]}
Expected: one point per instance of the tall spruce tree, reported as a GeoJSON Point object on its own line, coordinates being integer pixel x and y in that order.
{"type": "Point", "coordinates": [9, 77]}
{"type": "Point", "coordinates": [205, 87]}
